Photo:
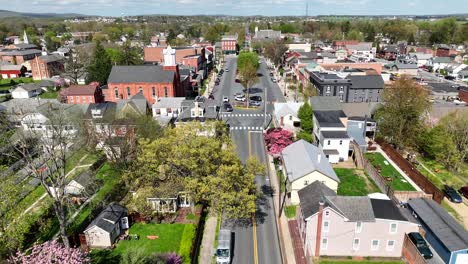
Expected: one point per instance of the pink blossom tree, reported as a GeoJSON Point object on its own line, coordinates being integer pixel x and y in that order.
{"type": "Point", "coordinates": [51, 252]}
{"type": "Point", "coordinates": [277, 139]}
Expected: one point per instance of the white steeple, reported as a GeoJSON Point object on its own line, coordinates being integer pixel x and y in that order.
{"type": "Point", "coordinates": [169, 56]}
{"type": "Point", "coordinates": [25, 38]}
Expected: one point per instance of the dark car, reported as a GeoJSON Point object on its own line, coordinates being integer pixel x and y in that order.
{"type": "Point", "coordinates": [452, 195]}
{"type": "Point", "coordinates": [256, 98]}
{"type": "Point", "coordinates": [421, 244]}
{"type": "Point", "coordinates": [211, 96]}
{"type": "Point", "coordinates": [464, 191]}
{"type": "Point", "coordinates": [228, 107]}
{"type": "Point", "coordinates": [271, 74]}
{"type": "Point", "coordinates": [451, 78]}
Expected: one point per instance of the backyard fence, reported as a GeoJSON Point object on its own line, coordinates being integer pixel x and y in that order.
{"type": "Point", "coordinates": [411, 252]}
{"type": "Point", "coordinates": [424, 183]}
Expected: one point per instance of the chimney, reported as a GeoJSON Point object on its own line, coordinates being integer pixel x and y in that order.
{"type": "Point", "coordinates": [319, 158]}
{"type": "Point", "coordinates": [318, 235]}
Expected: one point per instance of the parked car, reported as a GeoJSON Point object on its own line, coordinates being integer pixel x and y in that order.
{"type": "Point", "coordinates": [227, 107]}
{"type": "Point", "coordinates": [256, 98]}
{"type": "Point", "coordinates": [458, 102]}
{"type": "Point", "coordinates": [451, 78]}
{"type": "Point", "coordinates": [239, 97]}
{"type": "Point", "coordinates": [420, 244]}
{"type": "Point", "coordinates": [464, 191]}
{"type": "Point", "coordinates": [452, 195]}
{"type": "Point", "coordinates": [211, 96]}
{"type": "Point", "coordinates": [255, 103]}
{"type": "Point", "coordinates": [225, 99]}
{"type": "Point", "coordinates": [271, 74]}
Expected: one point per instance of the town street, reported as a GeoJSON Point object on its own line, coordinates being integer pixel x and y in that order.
{"type": "Point", "coordinates": [254, 242]}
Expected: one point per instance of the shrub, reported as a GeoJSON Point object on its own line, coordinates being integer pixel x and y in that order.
{"type": "Point", "coordinates": [186, 242]}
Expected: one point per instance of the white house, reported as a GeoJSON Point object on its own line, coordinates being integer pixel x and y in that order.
{"type": "Point", "coordinates": [420, 58]}
{"type": "Point", "coordinates": [27, 90]}
{"type": "Point", "coordinates": [307, 47]}
{"type": "Point", "coordinates": [286, 115]}
{"type": "Point", "coordinates": [438, 62]}
{"type": "Point", "coordinates": [303, 164]}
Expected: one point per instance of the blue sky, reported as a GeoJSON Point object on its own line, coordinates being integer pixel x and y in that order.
{"type": "Point", "coordinates": [239, 7]}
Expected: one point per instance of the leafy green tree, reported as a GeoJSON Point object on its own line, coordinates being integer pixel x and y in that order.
{"type": "Point", "coordinates": [206, 167]}
{"type": "Point", "coordinates": [401, 118]}
{"type": "Point", "coordinates": [129, 55]}
{"type": "Point", "coordinates": [456, 125]}
{"type": "Point", "coordinates": [147, 127]}
{"type": "Point", "coordinates": [305, 114]}
{"type": "Point", "coordinates": [247, 65]}
{"type": "Point", "coordinates": [100, 66]}
{"type": "Point", "coordinates": [51, 40]}
{"type": "Point", "coordinates": [354, 35]}
{"type": "Point", "coordinates": [439, 144]}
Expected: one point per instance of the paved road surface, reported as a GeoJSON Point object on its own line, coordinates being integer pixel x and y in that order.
{"type": "Point", "coordinates": [252, 243]}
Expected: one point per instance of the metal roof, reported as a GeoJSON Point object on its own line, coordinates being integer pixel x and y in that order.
{"type": "Point", "coordinates": [140, 74]}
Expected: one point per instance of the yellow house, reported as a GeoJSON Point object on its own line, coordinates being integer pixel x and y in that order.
{"type": "Point", "coordinates": [304, 163]}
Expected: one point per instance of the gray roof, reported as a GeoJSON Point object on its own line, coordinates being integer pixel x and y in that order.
{"type": "Point", "coordinates": [47, 83]}
{"type": "Point", "coordinates": [25, 46]}
{"type": "Point", "coordinates": [386, 209]}
{"type": "Point", "coordinates": [28, 86]}
{"type": "Point", "coordinates": [448, 231]}
{"type": "Point", "coordinates": [361, 46]}
{"type": "Point", "coordinates": [360, 109]}
{"type": "Point", "coordinates": [23, 52]}
{"type": "Point", "coordinates": [325, 103]}
{"type": "Point", "coordinates": [109, 217]}
{"type": "Point", "coordinates": [208, 105]}
{"type": "Point", "coordinates": [329, 118]}
{"type": "Point", "coordinates": [169, 102]}
{"type": "Point", "coordinates": [311, 195]}
{"type": "Point", "coordinates": [441, 60]}
{"type": "Point", "coordinates": [51, 58]}
{"type": "Point", "coordinates": [26, 105]}
{"type": "Point", "coordinates": [354, 208]}
{"type": "Point", "coordinates": [138, 102]}
{"type": "Point", "coordinates": [335, 134]}
{"type": "Point", "coordinates": [302, 158]}
{"type": "Point", "coordinates": [11, 67]}
{"type": "Point", "coordinates": [140, 74]}
{"type": "Point", "coordinates": [366, 81]}
{"type": "Point", "coordinates": [267, 34]}
{"type": "Point", "coordinates": [84, 178]}
{"type": "Point", "coordinates": [406, 65]}
{"type": "Point", "coordinates": [288, 108]}
{"type": "Point", "coordinates": [357, 133]}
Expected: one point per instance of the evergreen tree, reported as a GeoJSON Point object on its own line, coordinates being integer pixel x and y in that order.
{"type": "Point", "coordinates": [100, 67]}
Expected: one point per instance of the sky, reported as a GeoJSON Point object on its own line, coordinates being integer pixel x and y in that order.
{"type": "Point", "coordinates": [239, 7]}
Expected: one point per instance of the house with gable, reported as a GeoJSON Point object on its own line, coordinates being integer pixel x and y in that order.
{"type": "Point", "coordinates": [357, 226]}
{"type": "Point", "coordinates": [304, 164]}
{"type": "Point", "coordinates": [286, 115]}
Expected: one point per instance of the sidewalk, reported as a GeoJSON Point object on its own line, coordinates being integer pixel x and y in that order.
{"type": "Point", "coordinates": [207, 245]}
{"type": "Point", "coordinates": [407, 178]}
{"type": "Point", "coordinates": [282, 223]}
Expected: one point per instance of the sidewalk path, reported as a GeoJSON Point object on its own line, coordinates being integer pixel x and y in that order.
{"type": "Point", "coordinates": [207, 245]}
{"type": "Point", "coordinates": [407, 178]}
{"type": "Point", "coordinates": [298, 246]}
{"type": "Point", "coordinates": [282, 222]}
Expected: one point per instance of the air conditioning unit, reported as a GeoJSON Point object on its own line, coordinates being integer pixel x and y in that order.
{"type": "Point", "coordinates": [124, 223]}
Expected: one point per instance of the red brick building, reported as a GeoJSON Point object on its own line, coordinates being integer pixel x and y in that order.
{"type": "Point", "coordinates": [463, 94]}
{"type": "Point", "coordinates": [341, 44]}
{"type": "Point", "coordinates": [443, 51]}
{"type": "Point", "coordinates": [152, 80]}
{"type": "Point", "coordinates": [83, 94]}
{"type": "Point", "coordinates": [18, 57]}
{"type": "Point", "coordinates": [229, 44]}
{"type": "Point", "coordinates": [44, 67]}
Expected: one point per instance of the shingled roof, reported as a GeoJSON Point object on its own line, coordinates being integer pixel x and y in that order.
{"type": "Point", "coordinates": [140, 74]}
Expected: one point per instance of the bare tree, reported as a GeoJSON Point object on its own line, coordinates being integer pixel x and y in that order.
{"type": "Point", "coordinates": [75, 65]}
{"type": "Point", "coordinates": [55, 135]}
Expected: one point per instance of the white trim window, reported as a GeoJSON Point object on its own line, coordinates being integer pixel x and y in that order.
{"type": "Point", "coordinates": [356, 243]}
{"type": "Point", "coordinates": [326, 226]}
{"type": "Point", "coordinates": [390, 245]}
{"type": "Point", "coordinates": [358, 227]}
{"type": "Point", "coordinates": [375, 244]}
{"type": "Point", "coordinates": [324, 243]}
{"type": "Point", "coordinates": [393, 228]}
{"type": "Point", "coordinates": [327, 213]}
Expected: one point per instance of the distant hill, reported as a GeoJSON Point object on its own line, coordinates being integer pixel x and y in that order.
{"type": "Point", "coordinates": [6, 14]}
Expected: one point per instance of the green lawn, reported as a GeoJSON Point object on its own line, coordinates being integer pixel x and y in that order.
{"type": "Point", "coordinates": [444, 176]}
{"type": "Point", "coordinates": [398, 182]}
{"type": "Point", "coordinates": [290, 211]}
{"type": "Point", "coordinates": [352, 184]}
{"type": "Point", "coordinates": [6, 82]}
{"type": "Point", "coordinates": [49, 95]}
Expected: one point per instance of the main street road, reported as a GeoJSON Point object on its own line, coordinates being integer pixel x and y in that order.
{"type": "Point", "coordinates": [254, 242]}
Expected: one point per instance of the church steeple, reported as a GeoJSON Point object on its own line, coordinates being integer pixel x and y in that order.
{"type": "Point", "coordinates": [25, 38]}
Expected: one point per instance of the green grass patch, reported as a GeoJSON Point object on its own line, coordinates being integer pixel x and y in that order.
{"type": "Point", "coordinates": [452, 211]}
{"type": "Point", "coordinates": [186, 242]}
{"type": "Point", "coordinates": [360, 262]}
{"type": "Point", "coordinates": [32, 197]}
{"type": "Point", "coordinates": [398, 182]}
{"type": "Point", "coordinates": [280, 175]}
{"type": "Point", "coordinates": [443, 176]}
{"type": "Point", "coordinates": [169, 238]}
{"type": "Point", "coordinates": [290, 211]}
{"type": "Point", "coordinates": [352, 184]}
{"type": "Point", "coordinates": [7, 82]}
{"type": "Point", "coordinates": [49, 95]}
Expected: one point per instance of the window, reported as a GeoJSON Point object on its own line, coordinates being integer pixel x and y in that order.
{"type": "Point", "coordinates": [358, 228]}
{"type": "Point", "coordinates": [326, 226]}
{"type": "Point", "coordinates": [306, 183]}
{"type": "Point", "coordinates": [90, 99]}
{"type": "Point", "coordinates": [327, 213]}
{"type": "Point", "coordinates": [328, 142]}
{"type": "Point", "coordinates": [341, 142]}
{"type": "Point", "coordinates": [71, 99]}
{"type": "Point", "coordinates": [356, 242]}
{"type": "Point", "coordinates": [324, 243]}
{"type": "Point", "coordinates": [328, 89]}
{"type": "Point", "coordinates": [42, 65]}
{"type": "Point", "coordinates": [140, 89]}
{"type": "Point", "coordinates": [153, 91]}
{"type": "Point", "coordinates": [290, 118]}
{"type": "Point", "coordinates": [390, 245]}
{"type": "Point", "coordinates": [116, 93]}
{"type": "Point", "coordinates": [165, 91]}
{"type": "Point", "coordinates": [393, 228]}
{"type": "Point", "coordinates": [341, 89]}
{"type": "Point", "coordinates": [375, 244]}
{"type": "Point", "coordinates": [192, 113]}
{"type": "Point", "coordinates": [128, 91]}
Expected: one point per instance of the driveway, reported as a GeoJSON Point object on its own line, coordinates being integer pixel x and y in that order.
{"type": "Point", "coordinates": [461, 209]}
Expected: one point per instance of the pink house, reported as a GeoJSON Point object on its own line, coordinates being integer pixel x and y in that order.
{"type": "Point", "coordinates": [362, 226]}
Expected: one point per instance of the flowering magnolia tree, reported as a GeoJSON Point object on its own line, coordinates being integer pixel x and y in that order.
{"type": "Point", "coordinates": [51, 252]}
{"type": "Point", "coordinates": [277, 139]}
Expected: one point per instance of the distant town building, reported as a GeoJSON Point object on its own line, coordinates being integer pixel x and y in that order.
{"type": "Point", "coordinates": [229, 44]}
{"type": "Point", "coordinates": [44, 67]}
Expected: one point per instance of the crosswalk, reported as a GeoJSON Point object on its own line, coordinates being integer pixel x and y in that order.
{"type": "Point", "coordinates": [244, 115]}
{"type": "Point", "coordinates": [246, 128]}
